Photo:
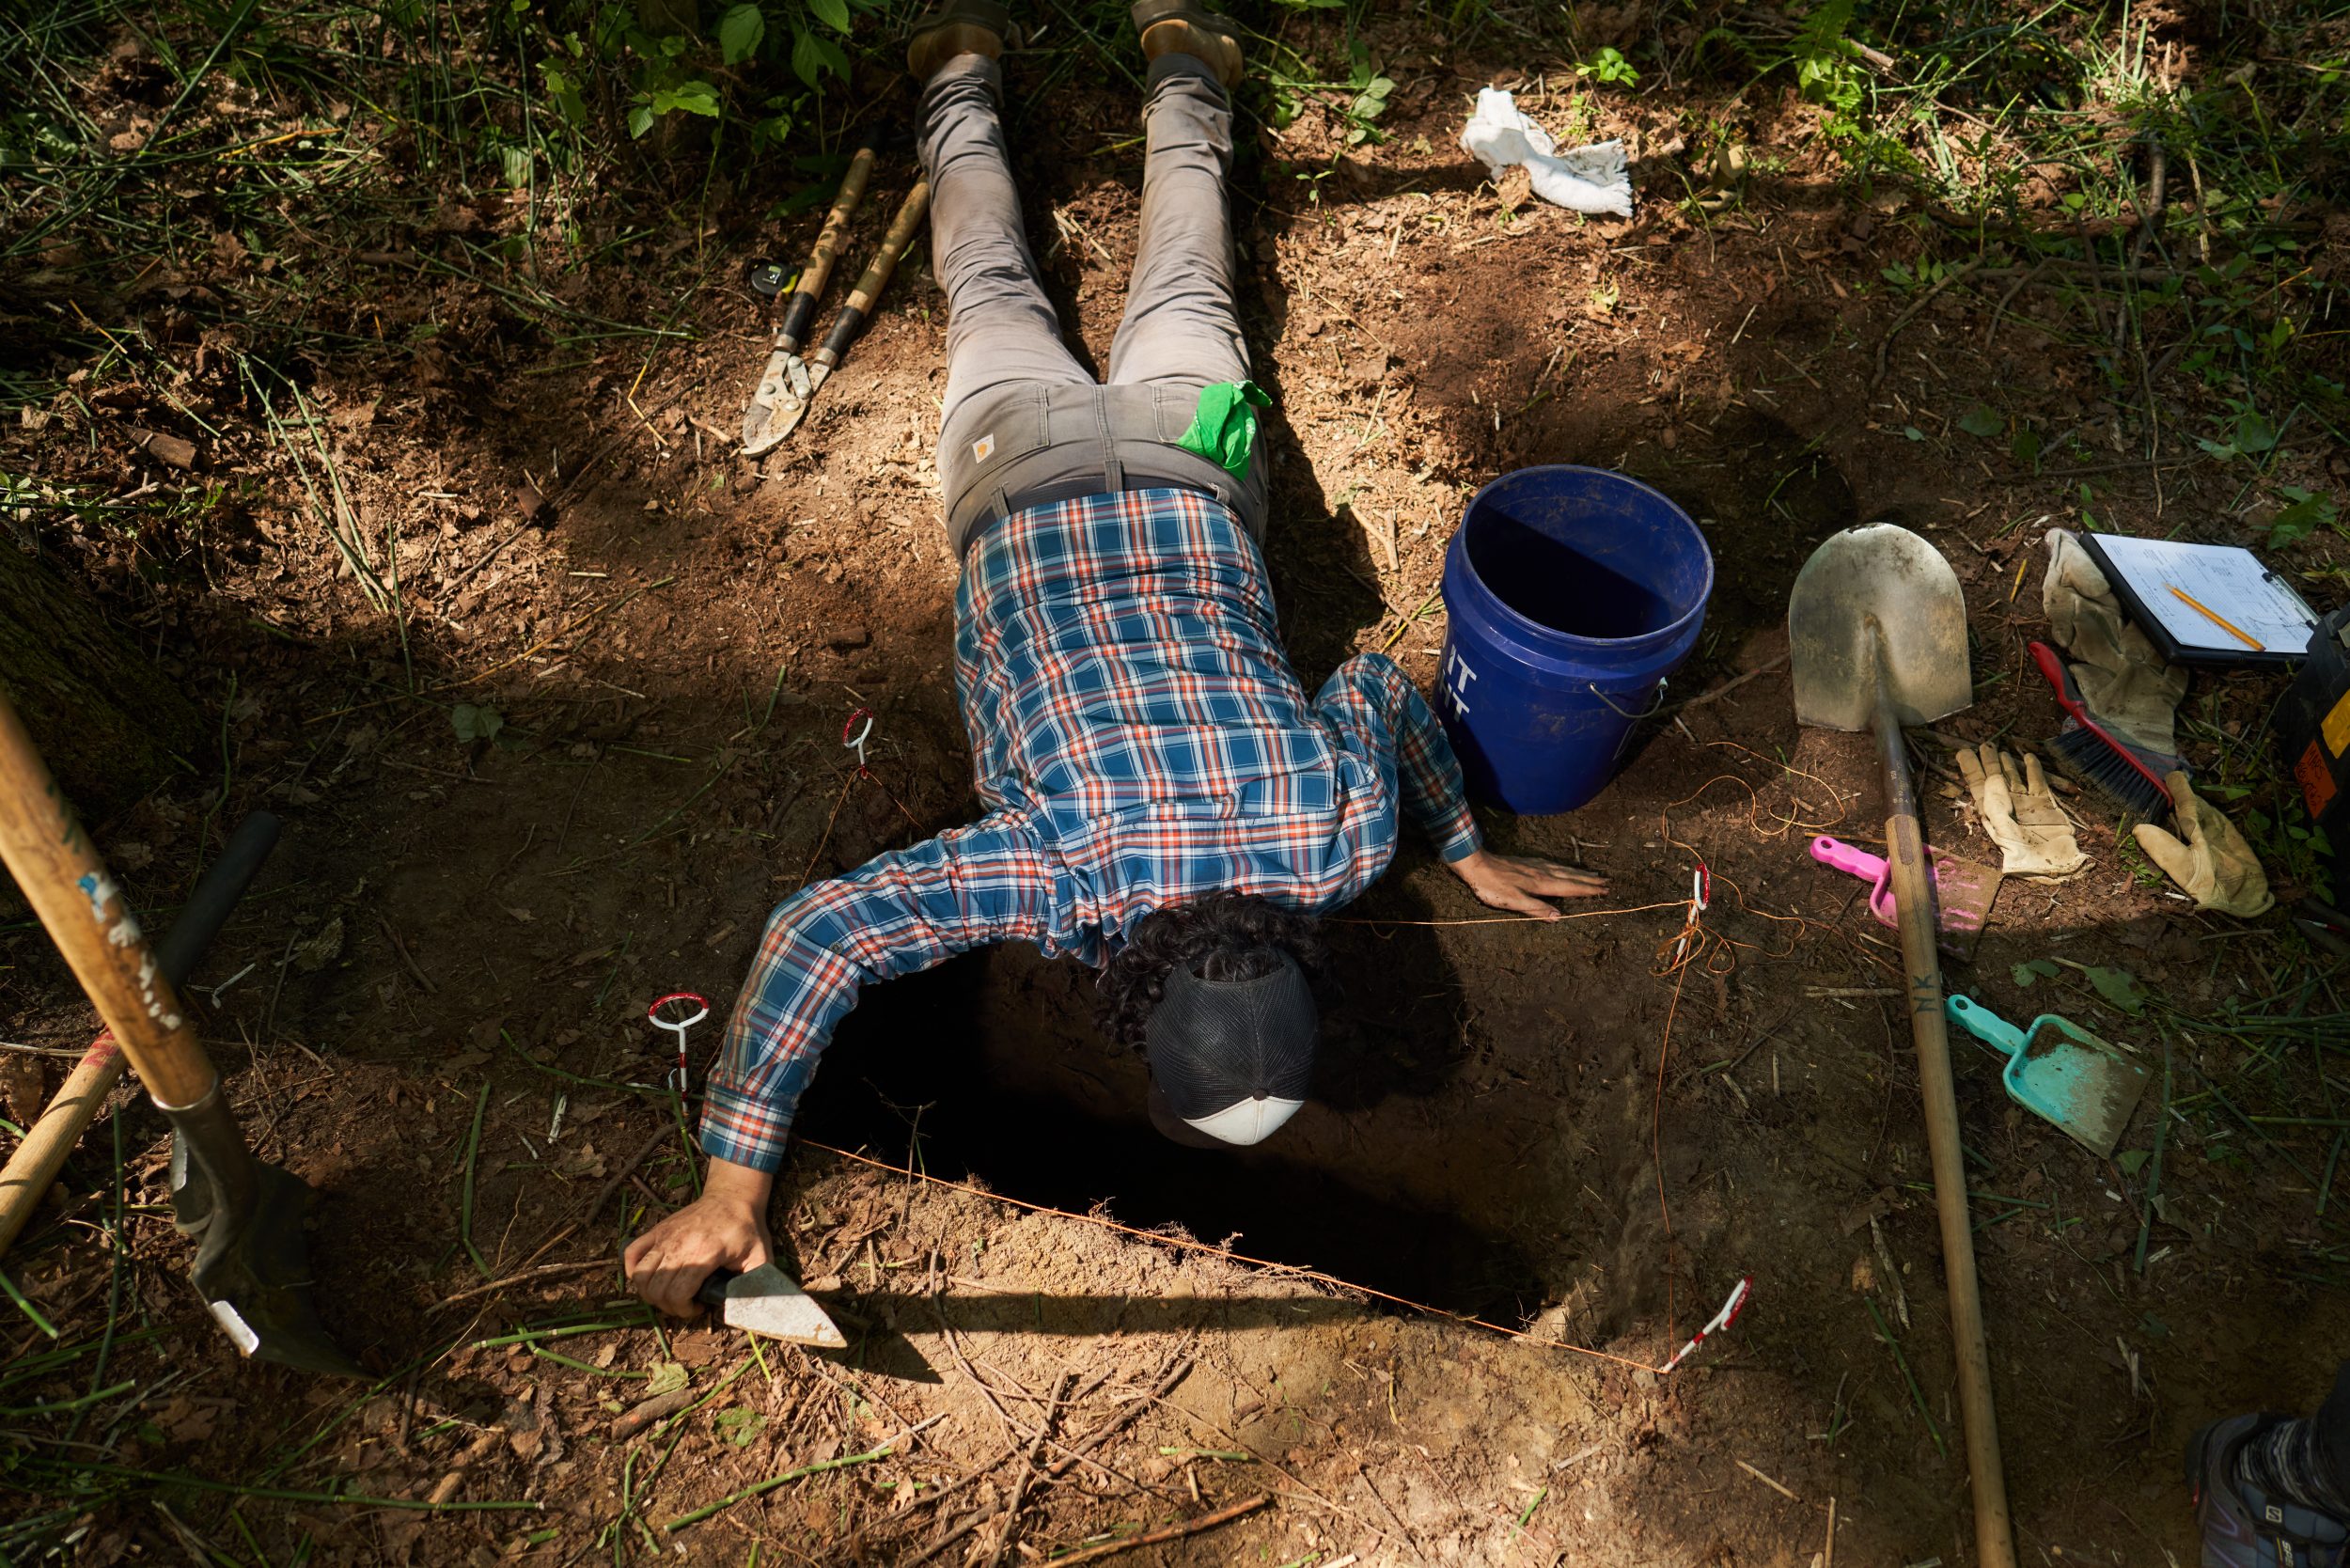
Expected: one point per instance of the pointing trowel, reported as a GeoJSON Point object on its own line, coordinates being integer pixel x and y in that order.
{"type": "Point", "coordinates": [769, 1301]}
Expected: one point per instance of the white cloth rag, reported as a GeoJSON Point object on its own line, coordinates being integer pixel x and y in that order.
{"type": "Point", "coordinates": [1587, 179]}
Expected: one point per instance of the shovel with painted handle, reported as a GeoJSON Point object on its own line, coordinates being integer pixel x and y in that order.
{"type": "Point", "coordinates": [252, 1261]}
{"type": "Point", "coordinates": [1876, 633]}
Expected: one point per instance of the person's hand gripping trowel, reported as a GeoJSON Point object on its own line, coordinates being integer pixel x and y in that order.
{"type": "Point", "coordinates": [722, 1256]}
{"type": "Point", "coordinates": [680, 1271]}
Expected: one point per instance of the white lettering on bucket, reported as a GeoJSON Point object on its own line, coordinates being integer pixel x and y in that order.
{"type": "Point", "coordinates": [1457, 680]}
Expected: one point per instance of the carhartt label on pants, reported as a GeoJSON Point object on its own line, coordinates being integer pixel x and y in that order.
{"type": "Point", "coordinates": [984, 448]}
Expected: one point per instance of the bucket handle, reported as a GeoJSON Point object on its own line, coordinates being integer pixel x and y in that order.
{"type": "Point", "coordinates": [1654, 703]}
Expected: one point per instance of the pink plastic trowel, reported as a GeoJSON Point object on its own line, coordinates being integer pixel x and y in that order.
{"type": "Point", "coordinates": [1964, 891]}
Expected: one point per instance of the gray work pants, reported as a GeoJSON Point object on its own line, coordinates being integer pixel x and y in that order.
{"type": "Point", "coordinates": [1024, 423]}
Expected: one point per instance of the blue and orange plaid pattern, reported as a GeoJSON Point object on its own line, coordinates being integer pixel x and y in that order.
{"type": "Point", "coordinates": [1139, 740]}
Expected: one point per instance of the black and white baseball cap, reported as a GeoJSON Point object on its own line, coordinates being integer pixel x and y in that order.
{"type": "Point", "coordinates": [1231, 1059]}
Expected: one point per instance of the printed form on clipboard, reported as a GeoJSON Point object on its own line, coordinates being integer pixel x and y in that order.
{"type": "Point", "coordinates": [2205, 603]}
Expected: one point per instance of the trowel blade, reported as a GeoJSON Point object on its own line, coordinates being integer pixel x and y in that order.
{"type": "Point", "coordinates": [2083, 1084]}
{"type": "Point", "coordinates": [769, 1301]}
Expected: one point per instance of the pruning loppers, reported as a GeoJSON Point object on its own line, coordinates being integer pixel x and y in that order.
{"type": "Point", "coordinates": [789, 382]}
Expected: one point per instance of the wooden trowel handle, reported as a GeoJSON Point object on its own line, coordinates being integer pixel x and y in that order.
{"type": "Point", "coordinates": [69, 887]}
{"type": "Point", "coordinates": [1913, 906]}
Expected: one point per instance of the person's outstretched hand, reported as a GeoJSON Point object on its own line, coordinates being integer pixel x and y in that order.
{"type": "Point", "coordinates": [725, 1228]}
{"type": "Point", "coordinates": [1521, 882]}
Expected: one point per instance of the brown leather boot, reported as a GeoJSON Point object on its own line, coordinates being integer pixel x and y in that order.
{"type": "Point", "coordinates": [1187, 27]}
{"type": "Point", "coordinates": [957, 27]}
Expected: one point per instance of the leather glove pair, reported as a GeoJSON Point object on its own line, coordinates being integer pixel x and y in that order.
{"type": "Point", "coordinates": [2020, 814]}
{"type": "Point", "coordinates": [2213, 863]}
{"type": "Point", "coordinates": [2124, 680]}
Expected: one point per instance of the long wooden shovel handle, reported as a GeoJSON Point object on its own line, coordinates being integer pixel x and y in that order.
{"type": "Point", "coordinates": [25, 1179]}
{"type": "Point", "coordinates": [1913, 902]}
{"type": "Point", "coordinates": [82, 908]}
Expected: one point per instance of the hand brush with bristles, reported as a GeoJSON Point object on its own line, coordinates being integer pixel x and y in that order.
{"type": "Point", "coordinates": [2131, 776]}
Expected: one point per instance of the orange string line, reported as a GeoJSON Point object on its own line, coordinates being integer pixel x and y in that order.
{"type": "Point", "coordinates": [1503, 920]}
{"type": "Point", "coordinates": [1187, 1245]}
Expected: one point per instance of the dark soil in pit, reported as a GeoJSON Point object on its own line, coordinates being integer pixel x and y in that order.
{"type": "Point", "coordinates": [1546, 1124]}
{"type": "Point", "coordinates": [1014, 1088]}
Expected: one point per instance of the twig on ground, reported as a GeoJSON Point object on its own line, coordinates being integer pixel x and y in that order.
{"type": "Point", "coordinates": [407, 958]}
{"type": "Point", "coordinates": [1917, 1395]}
{"type": "Point", "coordinates": [1027, 1471]}
{"type": "Point", "coordinates": [2154, 1165]}
{"type": "Point", "coordinates": [765, 1487]}
{"type": "Point", "coordinates": [523, 1277]}
{"type": "Point", "coordinates": [1884, 344]}
{"type": "Point", "coordinates": [1766, 1481]}
{"type": "Point", "coordinates": [473, 1151]}
{"type": "Point", "coordinates": [1726, 687]}
{"type": "Point", "coordinates": [622, 1171]}
{"type": "Point", "coordinates": [1168, 1532]}
{"type": "Point", "coordinates": [2014, 289]}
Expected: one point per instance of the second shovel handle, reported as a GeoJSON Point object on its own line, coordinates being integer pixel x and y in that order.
{"type": "Point", "coordinates": [82, 908]}
{"type": "Point", "coordinates": [47, 1142]}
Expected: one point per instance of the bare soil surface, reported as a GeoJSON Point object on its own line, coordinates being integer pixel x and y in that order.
{"type": "Point", "coordinates": [1548, 1126]}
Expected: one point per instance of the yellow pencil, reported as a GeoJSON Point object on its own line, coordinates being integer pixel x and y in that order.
{"type": "Point", "coordinates": [2218, 620]}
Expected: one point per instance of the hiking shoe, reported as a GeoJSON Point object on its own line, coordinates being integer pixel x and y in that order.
{"type": "Point", "coordinates": [956, 27]}
{"type": "Point", "coordinates": [2242, 1527]}
{"type": "Point", "coordinates": [1188, 27]}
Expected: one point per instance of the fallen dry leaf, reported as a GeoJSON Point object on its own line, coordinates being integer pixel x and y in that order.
{"type": "Point", "coordinates": [322, 949]}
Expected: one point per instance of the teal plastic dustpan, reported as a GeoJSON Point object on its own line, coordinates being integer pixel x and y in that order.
{"type": "Point", "coordinates": [2058, 1070]}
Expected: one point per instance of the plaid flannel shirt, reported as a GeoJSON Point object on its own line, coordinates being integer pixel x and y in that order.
{"type": "Point", "coordinates": [1139, 740]}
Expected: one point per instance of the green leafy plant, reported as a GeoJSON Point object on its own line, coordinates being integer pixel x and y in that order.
{"type": "Point", "coordinates": [1373, 89]}
{"type": "Point", "coordinates": [1828, 66]}
{"type": "Point", "coordinates": [2029, 973]}
{"type": "Point", "coordinates": [1981, 421]}
{"type": "Point", "coordinates": [2142, 871]}
{"type": "Point", "coordinates": [1609, 65]}
{"type": "Point", "coordinates": [474, 723]}
{"type": "Point", "coordinates": [2288, 843]}
{"type": "Point", "coordinates": [737, 1425]}
{"type": "Point", "coordinates": [2249, 434]}
{"type": "Point", "coordinates": [2305, 511]}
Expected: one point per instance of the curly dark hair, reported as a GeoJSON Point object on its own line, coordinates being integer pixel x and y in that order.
{"type": "Point", "coordinates": [1223, 937]}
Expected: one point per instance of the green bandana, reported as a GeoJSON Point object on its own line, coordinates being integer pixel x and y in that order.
{"type": "Point", "coordinates": [1224, 427]}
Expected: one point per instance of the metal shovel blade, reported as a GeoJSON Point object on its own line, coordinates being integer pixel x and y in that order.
{"type": "Point", "coordinates": [1877, 600]}
{"type": "Point", "coordinates": [776, 408]}
{"type": "Point", "coordinates": [252, 1259]}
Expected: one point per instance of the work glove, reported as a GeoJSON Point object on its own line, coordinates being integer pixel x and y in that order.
{"type": "Point", "coordinates": [2215, 865]}
{"type": "Point", "coordinates": [2034, 836]}
{"type": "Point", "coordinates": [2126, 683]}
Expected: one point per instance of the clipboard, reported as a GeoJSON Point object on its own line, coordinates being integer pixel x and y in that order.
{"type": "Point", "coordinates": [2179, 593]}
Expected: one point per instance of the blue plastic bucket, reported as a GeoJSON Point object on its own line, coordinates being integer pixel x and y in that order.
{"type": "Point", "coordinates": [1572, 593]}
